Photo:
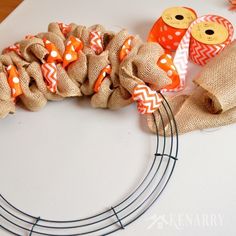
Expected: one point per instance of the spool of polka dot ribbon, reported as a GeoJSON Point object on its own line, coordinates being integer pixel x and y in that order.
{"type": "Point", "coordinates": [169, 29]}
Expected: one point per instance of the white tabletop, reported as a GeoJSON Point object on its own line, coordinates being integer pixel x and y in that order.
{"type": "Point", "coordinates": [69, 160]}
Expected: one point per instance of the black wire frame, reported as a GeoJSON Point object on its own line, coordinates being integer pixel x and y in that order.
{"type": "Point", "coordinates": [20, 223]}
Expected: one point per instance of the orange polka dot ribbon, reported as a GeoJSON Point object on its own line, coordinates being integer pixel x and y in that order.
{"type": "Point", "coordinates": [126, 48]}
{"type": "Point", "coordinates": [95, 38]}
{"type": "Point", "coordinates": [148, 101]}
{"type": "Point", "coordinates": [65, 29]}
{"type": "Point", "coordinates": [73, 46]}
{"type": "Point", "coordinates": [54, 55]}
{"type": "Point", "coordinates": [105, 72]}
{"type": "Point", "coordinates": [165, 62]}
{"type": "Point", "coordinates": [170, 28]}
{"type": "Point", "coordinates": [14, 81]}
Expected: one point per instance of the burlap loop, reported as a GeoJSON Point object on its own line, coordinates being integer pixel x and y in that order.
{"type": "Point", "coordinates": [119, 98]}
{"type": "Point", "coordinates": [77, 31]}
{"type": "Point", "coordinates": [78, 70]}
{"type": "Point", "coordinates": [212, 104]}
{"type": "Point", "coordinates": [146, 66]}
{"type": "Point", "coordinates": [6, 60]}
{"type": "Point", "coordinates": [54, 28]}
{"type": "Point", "coordinates": [114, 48]}
{"type": "Point", "coordinates": [65, 86]}
{"type": "Point", "coordinates": [5, 91]}
{"type": "Point", "coordinates": [33, 49]}
{"type": "Point", "coordinates": [55, 39]}
{"type": "Point", "coordinates": [17, 60]}
{"type": "Point", "coordinates": [32, 98]}
{"type": "Point", "coordinates": [6, 107]}
{"type": "Point", "coordinates": [11, 58]}
{"type": "Point", "coordinates": [100, 99]}
{"type": "Point", "coordinates": [95, 65]}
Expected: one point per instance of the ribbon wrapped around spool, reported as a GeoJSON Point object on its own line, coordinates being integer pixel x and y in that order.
{"type": "Point", "coordinates": [208, 38]}
{"type": "Point", "coordinates": [205, 38]}
{"type": "Point", "coordinates": [169, 29]}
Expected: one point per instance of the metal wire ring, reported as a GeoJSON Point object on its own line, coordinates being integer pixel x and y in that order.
{"type": "Point", "coordinates": [123, 214]}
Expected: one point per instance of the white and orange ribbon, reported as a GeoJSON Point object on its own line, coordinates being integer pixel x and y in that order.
{"type": "Point", "coordinates": [54, 55]}
{"type": "Point", "coordinates": [170, 28]}
{"type": "Point", "coordinates": [165, 62]}
{"type": "Point", "coordinates": [73, 46]}
{"type": "Point", "coordinates": [49, 71]}
{"type": "Point", "coordinates": [65, 29]}
{"type": "Point", "coordinates": [199, 52]}
{"type": "Point", "coordinates": [14, 81]}
{"type": "Point", "coordinates": [95, 39]}
{"type": "Point", "coordinates": [148, 101]}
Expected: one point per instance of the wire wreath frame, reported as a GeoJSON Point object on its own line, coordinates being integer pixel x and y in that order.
{"type": "Point", "coordinates": [115, 218]}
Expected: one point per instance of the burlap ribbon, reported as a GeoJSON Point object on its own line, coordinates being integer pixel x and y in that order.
{"type": "Point", "coordinates": [212, 104]}
{"type": "Point", "coordinates": [79, 77]}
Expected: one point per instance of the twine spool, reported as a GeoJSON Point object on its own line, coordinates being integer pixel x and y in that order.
{"type": "Point", "coordinates": [169, 29]}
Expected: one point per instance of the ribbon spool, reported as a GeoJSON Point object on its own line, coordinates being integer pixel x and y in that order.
{"type": "Point", "coordinates": [208, 29]}
{"type": "Point", "coordinates": [169, 29]}
{"type": "Point", "coordinates": [208, 38]}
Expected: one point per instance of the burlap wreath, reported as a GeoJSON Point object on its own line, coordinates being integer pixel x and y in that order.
{"type": "Point", "coordinates": [79, 77]}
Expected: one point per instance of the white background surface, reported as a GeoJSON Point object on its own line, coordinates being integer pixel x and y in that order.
{"type": "Point", "coordinates": [69, 159]}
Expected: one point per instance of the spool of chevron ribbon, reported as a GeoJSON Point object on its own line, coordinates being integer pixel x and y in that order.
{"type": "Point", "coordinates": [209, 37]}
{"type": "Point", "coordinates": [205, 38]}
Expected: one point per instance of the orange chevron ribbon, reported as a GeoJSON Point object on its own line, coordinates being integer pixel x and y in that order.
{"type": "Point", "coordinates": [126, 48]}
{"type": "Point", "coordinates": [202, 52]}
{"type": "Point", "coordinates": [14, 81]}
{"type": "Point", "coordinates": [103, 74]}
{"type": "Point", "coordinates": [95, 39]}
{"type": "Point", "coordinates": [49, 71]}
{"type": "Point", "coordinates": [65, 29]}
{"type": "Point", "coordinates": [148, 100]}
